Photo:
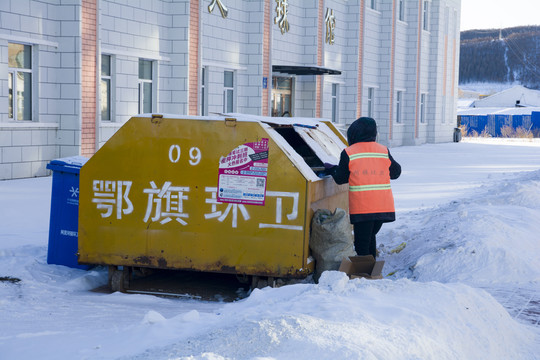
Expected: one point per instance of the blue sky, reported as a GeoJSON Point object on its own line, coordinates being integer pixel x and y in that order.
{"type": "Point", "coordinates": [494, 14]}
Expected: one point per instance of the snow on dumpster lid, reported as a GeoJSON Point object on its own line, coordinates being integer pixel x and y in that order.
{"type": "Point", "coordinates": [74, 161]}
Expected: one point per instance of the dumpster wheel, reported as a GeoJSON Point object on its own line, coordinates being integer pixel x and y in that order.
{"type": "Point", "coordinates": [259, 282]}
{"type": "Point", "coordinates": [119, 279]}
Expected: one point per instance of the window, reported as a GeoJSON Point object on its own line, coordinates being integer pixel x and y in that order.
{"type": "Point", "coordinates": [282, 90]}
{"type": "Point", "coordinates": [370, 102]}
{"type": "Point", "coordinates": [372, 4]}
{"type": "Point", "coordinates": [19, 81]}
{"type": "Point", "coordinates": [145, 86]}
{"type": "Point", "coordinates": [105, 88]}
{"type": "Point", "coordinates": [399, 106]}
{"type": "Point", "coordinates": [335, 117]}
{"type": "Point", "coordinates": [425, 17]}
{"type": "Point", "coordinates": [228, 91]}
{"type": "Point", "coordinates": [422, 108]}
{"type": "Point", "coordinates": [204, 76]}
{"type": "Point", "coordinates": [401, 10]}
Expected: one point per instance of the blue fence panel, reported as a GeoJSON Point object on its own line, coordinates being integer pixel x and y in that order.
{"type": "Point", "coordinates": [495, 122]}
{"type": "Point", "coordinates": [465, 120]}
{"type": "Point", "coordinates": [535, 120]}
{"type": "Point", "coordinates": [474, 122]}
{"type": "Point", "coordinates": [523, 121]}
{"type": "Point", "coordinates": [491, 125]}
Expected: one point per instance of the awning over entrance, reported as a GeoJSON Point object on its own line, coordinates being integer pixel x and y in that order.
{"type": "Point", "coordinates": [304, 70]}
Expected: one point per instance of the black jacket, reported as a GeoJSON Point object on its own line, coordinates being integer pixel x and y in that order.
{"type": "Point", "coordinates": [362, 130]}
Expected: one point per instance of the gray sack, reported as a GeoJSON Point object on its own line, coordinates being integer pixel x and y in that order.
{"type": "Point", "coordinates": [331, 239]}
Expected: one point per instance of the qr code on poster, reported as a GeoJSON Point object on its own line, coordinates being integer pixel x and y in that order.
{"type": "Point", "coordinates": [260, 182]}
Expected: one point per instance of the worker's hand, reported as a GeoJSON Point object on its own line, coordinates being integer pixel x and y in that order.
{"type": "Point", "coordinates": [328, 166]}
{"type": "Point", "coordinates": [329, 169]}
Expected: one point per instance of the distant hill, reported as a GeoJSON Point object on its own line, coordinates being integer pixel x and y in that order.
{"type": "Point", "coordinates": [501, 56]}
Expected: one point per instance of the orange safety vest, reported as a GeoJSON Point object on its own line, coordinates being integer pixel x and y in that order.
{"type": "Point", "coordinates": [369, 179]}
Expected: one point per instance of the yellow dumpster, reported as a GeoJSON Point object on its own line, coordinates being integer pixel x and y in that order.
{"type": "Point", "coordinates": [216, 194]}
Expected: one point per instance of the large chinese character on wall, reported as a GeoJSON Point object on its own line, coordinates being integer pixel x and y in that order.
{"type": "Point", "coordinates": [281, 15]}
{"type": "Point", "coordinates": [222, 8]}
{"type": "Point", "coordinates": [330, 21]}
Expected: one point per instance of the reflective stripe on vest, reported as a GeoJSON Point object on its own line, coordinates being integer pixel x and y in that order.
{"type": "Point", "coordinates": [369, 179]}
{"type": "Point", "coordinates": [369, 187]}
{"type": "Point", "coordinates": [368, 155]}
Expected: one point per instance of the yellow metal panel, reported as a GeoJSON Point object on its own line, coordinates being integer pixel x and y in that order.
{"type": "Point", "coordinates": [148, 164]}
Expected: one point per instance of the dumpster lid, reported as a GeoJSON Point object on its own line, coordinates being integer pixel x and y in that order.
{"type": "Point", "coordinates": [324, 145]}
{"type": "Point", "coordinates": [72, 161]}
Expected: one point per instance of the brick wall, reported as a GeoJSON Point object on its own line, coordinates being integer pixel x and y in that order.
{"type": "Point", "coordinates": [266, 63]}
{"type": "Point", "coordinates": [320, 49]}
{"type": "Point", "coordinates": [360, 80]}
{"type": "Point", "coordinates": [194, 68]}
{"type": "Point", "coordinates": [89, 76]}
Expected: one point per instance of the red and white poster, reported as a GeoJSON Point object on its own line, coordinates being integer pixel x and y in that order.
{"type": "Point", "coordinates": [242, 174]}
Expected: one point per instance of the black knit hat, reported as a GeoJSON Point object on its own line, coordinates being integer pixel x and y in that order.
{"type": "Point", "coordinates": [363, 129]}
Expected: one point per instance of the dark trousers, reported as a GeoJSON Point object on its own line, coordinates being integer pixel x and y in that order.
{"type": "Point", "coordinates": [365, 232]}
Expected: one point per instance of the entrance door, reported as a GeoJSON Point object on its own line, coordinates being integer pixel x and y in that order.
{"type": "Point", "coordinates": [281, 96]}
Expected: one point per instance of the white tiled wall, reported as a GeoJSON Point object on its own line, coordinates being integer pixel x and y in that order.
{"type": "Point", "coordinates": [158, 30]}
{"type": "Point", "coordinates": [25, 151]}
{"type": "Point", "coordinates": [52, 28]}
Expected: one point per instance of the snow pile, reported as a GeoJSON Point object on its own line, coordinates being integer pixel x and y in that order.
{"type": "Point", "coordinates": [480, 241]}
{"type": "Point", "coordinates": [466, 230]}
{"type": "Point", "coordinates": [358, 319]}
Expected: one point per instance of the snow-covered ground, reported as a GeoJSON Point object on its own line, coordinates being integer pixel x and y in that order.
{"type": "Point", "coordinates": [463, 285]}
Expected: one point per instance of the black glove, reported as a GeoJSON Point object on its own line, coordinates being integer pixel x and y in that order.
{"type": "Point", "coordinates": [329, 168]}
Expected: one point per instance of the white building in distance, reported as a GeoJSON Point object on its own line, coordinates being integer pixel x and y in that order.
{"type": "Point", "coordinates": [73, 71]}
{"type": "Point", "coordinates": [516, 96]}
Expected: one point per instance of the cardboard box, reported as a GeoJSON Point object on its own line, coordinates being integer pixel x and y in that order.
{"type": "Point", "coordinates": [362, 266]}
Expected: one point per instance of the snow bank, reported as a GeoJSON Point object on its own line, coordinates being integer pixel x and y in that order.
{"type": "Point", "coordinates": [358, 319]}
{"type": "Point", "coordinates": [483, 240]}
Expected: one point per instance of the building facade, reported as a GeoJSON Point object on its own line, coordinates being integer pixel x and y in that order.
{"type": "Point", "coordinates": [73, 71]}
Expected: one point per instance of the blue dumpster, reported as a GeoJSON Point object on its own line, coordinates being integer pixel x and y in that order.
{"type": "Point", "coordinates": [64, 222]}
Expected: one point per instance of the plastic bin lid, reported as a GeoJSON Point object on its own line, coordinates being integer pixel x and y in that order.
{"type": "Point", "coordinates": [74, 162]}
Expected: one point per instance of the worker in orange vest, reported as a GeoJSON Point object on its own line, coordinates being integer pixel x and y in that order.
{"type": "Point", "coordinates": [368, 167]}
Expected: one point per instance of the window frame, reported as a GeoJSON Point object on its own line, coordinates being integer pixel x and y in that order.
{"type": "Point", "coordinates": [399, 107]}
{"type": "Point", "coordinates": [425, 15]}
{"type": "Point", "coordinates": [108, 77]}
{"type": "Point", "coordinates": [370, 102]}
{"type": "Point", "coordinates": [401, 10]}
{"type": "Point", "coordinates": [285, 95]}
{"type": "Point", "coordinates": [423, 108]}
{"type": "Point", "coordinates": [142, 82]}
{"type": "Point", "coordinates": [229, 92]}
{"type": "Point", "coordinates": [13, 85]}
{"type": "Point", "coordinates": [335, 103]}
{"type": "Point", "coordinates": [204, 91]}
